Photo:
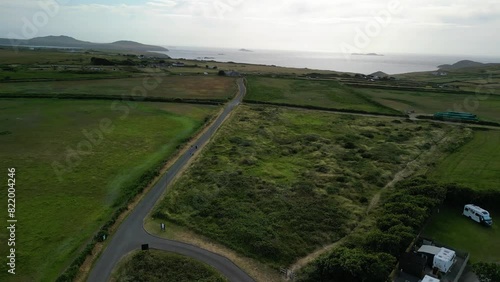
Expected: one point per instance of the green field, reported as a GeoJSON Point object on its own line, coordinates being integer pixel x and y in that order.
{"type": "Point", "coordinates": [430, 103]}
{"type": "Point", "coordinates": [275, 184]}
{"type": "Point", "coordinates": [326, 94]}
{"type": "Point", "coordinates": [476, 165]}
{"type": "Point", "coordinates": [450, 227]}
{"type": "Point", "coordinates": [164, 86]}
{"type": "Point", "coordinates": [158, 266]}
{"type": "Point", "coordinates": [41, 56]}
{"type": "Point", "coordinates": [69, 179]}
{"type": "Point", "coordinates": [486, 79]}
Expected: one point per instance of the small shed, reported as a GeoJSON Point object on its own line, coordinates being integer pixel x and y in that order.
{"type": "Point", "coordinates": [429, 252]}
{"type": "Point", "coordinates": [413, 264]}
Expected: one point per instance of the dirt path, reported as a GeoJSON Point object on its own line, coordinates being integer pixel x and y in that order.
{"type": "Point", "coordinates": [410, 168]}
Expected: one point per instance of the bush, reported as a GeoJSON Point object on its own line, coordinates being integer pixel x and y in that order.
{"type": "Point", "coordinates": [378, 241]}
{"type": "Point", "coordinates": [487, 272]}
{"type": "Point", "coordinates": [350, 265]}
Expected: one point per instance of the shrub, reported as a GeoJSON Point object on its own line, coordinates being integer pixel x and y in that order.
{"type": "Point", "coordinates": [487, 272]}
{"type": "Point", "coordinates": [351, 265]}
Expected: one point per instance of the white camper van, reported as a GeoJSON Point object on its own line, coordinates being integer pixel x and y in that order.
{"type": "Point", "coordinates": [445, 260]}
{"type": "Point", "coordinates": [477, 214]}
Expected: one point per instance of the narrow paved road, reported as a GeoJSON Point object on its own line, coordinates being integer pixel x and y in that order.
{"type": "Point", "coordinates": [131, 234]}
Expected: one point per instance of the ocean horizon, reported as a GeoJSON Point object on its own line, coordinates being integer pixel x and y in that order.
{"type": "Point", "coordinates": [365, 64]}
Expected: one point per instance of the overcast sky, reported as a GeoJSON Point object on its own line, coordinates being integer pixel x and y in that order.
{"type": "Point", "coordinates": [423, 26]}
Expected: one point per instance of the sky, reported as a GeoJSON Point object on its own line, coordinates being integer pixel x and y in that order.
{"type": "Point", "coordinates": [454, 27]}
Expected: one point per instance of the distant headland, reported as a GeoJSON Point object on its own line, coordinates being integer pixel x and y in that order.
{"type": "Point", "coordinates": [70, 42]}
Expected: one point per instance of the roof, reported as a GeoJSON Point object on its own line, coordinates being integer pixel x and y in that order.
{"type": "Point", "coordinates": [446, 255]}
{"type": "Point", "coordinates": [478, 209]}
{"type": "Point", "coordinates": [427, 278]}
{"type": "Point", "coordinates": [433, 250]}
{"type": "Point", "coordinates": [411, 258]}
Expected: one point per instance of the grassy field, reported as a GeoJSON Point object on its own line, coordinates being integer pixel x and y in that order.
{"type": "Point", "coordinates": [25, 56]}
{"type": "Point", "coordinates": [189, 87]}
{"type": "Point", "coordinates": [476, 165]}
{"type": "Point", "coordinates": [470, 79]}
{"type": "Point", "coordinates": [253, 69]}
{"type": "Point", "coordinates": [25, 74]}
{"type": "Point", "coordinates": [275, 184]}
{"type": "Point", "coordinates": [450, 227]}
{"type": "Point", "coordinates": [327, 94]}
{"type": "Point", "coordinates": [158, 266]}
{"type": "Point", "coordinates": [69, 178]}
{"type": "Point", "coordinates": [430, 103]}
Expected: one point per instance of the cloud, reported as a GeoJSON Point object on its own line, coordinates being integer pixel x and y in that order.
{"type": "Point", "coordinates": [282, 24]}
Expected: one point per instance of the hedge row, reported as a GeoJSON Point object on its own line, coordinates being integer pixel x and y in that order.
{"type": "Point", "coordinates": [118, 97]}
{"type": "Point", "coordinates": [480, 122]}
{"type": "Point", "coordinates": [406, 88]}
{"type": "Point", "coordinates": [321, 108]}
{"type": "Point", "coordinates": [459, 196]}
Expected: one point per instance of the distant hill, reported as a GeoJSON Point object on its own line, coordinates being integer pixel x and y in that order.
{"type": "Point", "coordinates": [465, 64]}
{"type": "Point", "coordinates": [70, 42]}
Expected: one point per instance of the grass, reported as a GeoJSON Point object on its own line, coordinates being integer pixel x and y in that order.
{"type": "Point", "coordinates": [276, 184]}
{"type": "Point", "coordinates": [256, 270]}
{"type": "Point", "coordinates": [327, 94]}
{"type": "Point", "coordinates": [186, 87]}
{"type": "Point", "coordinates": [430, 103]}
{"type": "Point", "coordinates": [50, 74]}
{"type": "Point", "coordinates": [254, 69]}
{"type": "Point", "coordinates": [25, 56]}
{"type": "Point", "coordinates": [476, 165]}
{"type": "Point", "coordinates": [469, 79]}
{"type": "Point", "coordinates": [154, 265]}
{"type": "Point", "coordinates": [450, 227]}
{"type": "Point", "coordinates": [58, 213]}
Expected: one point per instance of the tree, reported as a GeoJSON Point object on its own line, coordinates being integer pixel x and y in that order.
{"type": "Point", "coordinates": [100, 62]}
{"type": "Point", "coordinates": [221, 73]}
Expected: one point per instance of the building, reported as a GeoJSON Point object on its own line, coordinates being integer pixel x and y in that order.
{"type": "Point", "coordinates": [413, 264]}
{"type": "Point", "coordinates": [440, 73]}
{"type": "Point", "coordinates": [232, 73]}
{"type": "Point", "coordinates": [439, 262]}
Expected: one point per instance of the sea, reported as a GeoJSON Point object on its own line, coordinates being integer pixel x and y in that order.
{"type": "Point", "coordinates": [364, 64]}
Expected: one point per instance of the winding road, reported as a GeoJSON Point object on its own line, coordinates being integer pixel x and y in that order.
{"type": "Point", "coordinates": [131, 233]}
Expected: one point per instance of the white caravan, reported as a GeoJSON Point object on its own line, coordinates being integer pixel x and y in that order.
{"type": "Point", "coordinates": [478, 214]}
{"type": "Point", "coordinates": [441, 258]}
{"type": "Point", "coordinates": [445, 260]}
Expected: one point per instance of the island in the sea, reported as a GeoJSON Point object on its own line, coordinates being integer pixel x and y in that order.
{"type": "Point", "coordinates": [366, 54]}
{"type": "Point", "coordinates": [245, 50]}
